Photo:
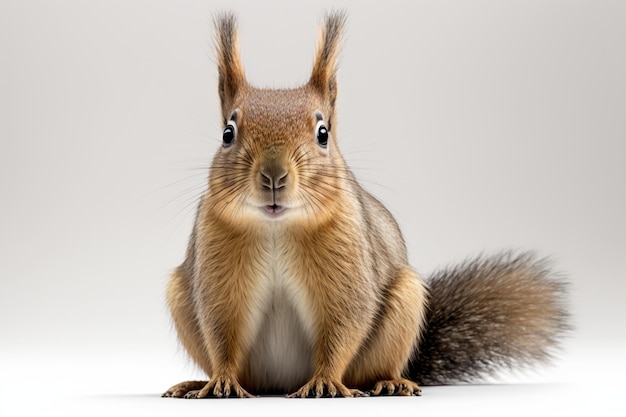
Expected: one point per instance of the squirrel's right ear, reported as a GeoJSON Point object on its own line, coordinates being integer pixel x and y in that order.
{"type": "Point", "coordinates": [323, 77]}
{"type": "Point", "coordinates": [230, 68]}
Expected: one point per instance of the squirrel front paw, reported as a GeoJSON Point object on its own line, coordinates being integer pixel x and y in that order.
{"type": "Point", "coordinates": [326, 387]}
{"type": "Point", "coordinates": [398, 386]}
{"type": "Point", "coordinates": [220, 387]}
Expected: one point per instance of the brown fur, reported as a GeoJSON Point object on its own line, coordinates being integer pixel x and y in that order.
{"type": "Point", "coordinates": [327, 277]}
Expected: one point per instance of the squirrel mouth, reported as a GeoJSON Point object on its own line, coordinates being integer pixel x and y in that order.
{"type": "Point", "coordinates": [274, 209]}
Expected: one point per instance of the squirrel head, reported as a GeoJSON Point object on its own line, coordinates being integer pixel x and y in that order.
{"type": "Point", "coordinates": [279, 159]}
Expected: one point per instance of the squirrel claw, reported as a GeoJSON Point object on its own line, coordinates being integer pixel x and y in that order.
{"type": "Point", "coordinates": [327, 388]}
{"type": "Point", "coordinates": [220, 387]}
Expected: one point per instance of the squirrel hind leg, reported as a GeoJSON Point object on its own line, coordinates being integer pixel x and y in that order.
{"type": "Point", "coordinates": [179, 299]}
{"type": "Point", "coordinates": [182, 389]}
{"type": "Point", "coordinates": [380, 364]}
{"type": "Point", "coordinates": [398, 386]}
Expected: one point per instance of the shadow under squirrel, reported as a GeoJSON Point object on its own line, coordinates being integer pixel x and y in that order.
{"type": "Point", "coordinates": [296, 279]}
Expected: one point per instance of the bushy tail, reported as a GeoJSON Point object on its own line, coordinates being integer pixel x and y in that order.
{"type": "Point", "coordinates": [506, 311]}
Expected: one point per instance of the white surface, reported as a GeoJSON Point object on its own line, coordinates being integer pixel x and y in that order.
{"type": "Point", "coordinates": [481, 124]}
{"type": "Point", "coordinates": [126, 384]}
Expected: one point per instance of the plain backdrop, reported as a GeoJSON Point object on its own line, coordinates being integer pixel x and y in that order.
{"type": "Point", "coordinates": [482, 125]}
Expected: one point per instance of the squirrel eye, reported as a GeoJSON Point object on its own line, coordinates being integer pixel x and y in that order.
{"type": "Point", "coordinates": [322, 135]}
{"type": "Point", "coordinates": [228, 136]}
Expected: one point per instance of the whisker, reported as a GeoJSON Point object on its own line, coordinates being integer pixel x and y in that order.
{"type": "Point", "coordinates": [193, 202]}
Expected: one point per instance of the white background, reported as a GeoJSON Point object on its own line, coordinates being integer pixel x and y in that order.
{"type": "Point", "coordinates": [481, 125]}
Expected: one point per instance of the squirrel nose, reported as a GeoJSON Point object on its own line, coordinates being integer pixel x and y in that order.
{"type": "Point", "coordinates": [274, 179]}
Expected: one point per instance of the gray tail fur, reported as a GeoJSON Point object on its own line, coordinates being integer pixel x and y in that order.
{"type": "Point", "coordinates": [505, 311]}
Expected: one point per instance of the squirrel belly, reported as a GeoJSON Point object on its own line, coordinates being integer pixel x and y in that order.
{"type": "Point", "coordinates": [281, 356]}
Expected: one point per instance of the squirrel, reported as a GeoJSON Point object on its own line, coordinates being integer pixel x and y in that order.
{"type": "Point", "coordinates": [296, 280]}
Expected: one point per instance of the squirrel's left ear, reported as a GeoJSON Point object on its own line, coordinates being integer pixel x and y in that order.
{"type": "Point", "coordinates": [230, 68]}
{"type": "Point", "coordinates": [323, 77]}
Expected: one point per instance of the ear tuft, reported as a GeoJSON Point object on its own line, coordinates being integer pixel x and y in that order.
{"type": "Point", "coordinates": [230, 68]}
{"type": "Point", "coordinates": [323, 77]}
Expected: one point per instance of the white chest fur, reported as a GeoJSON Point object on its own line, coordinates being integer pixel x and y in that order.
{"type": "Point", "coordinates": [280, 357]}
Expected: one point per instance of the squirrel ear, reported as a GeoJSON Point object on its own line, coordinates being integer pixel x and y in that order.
{"type": "Point", "coordinates": [230, 68]}
{"type": "Point", "coordinates": [323, 77]}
